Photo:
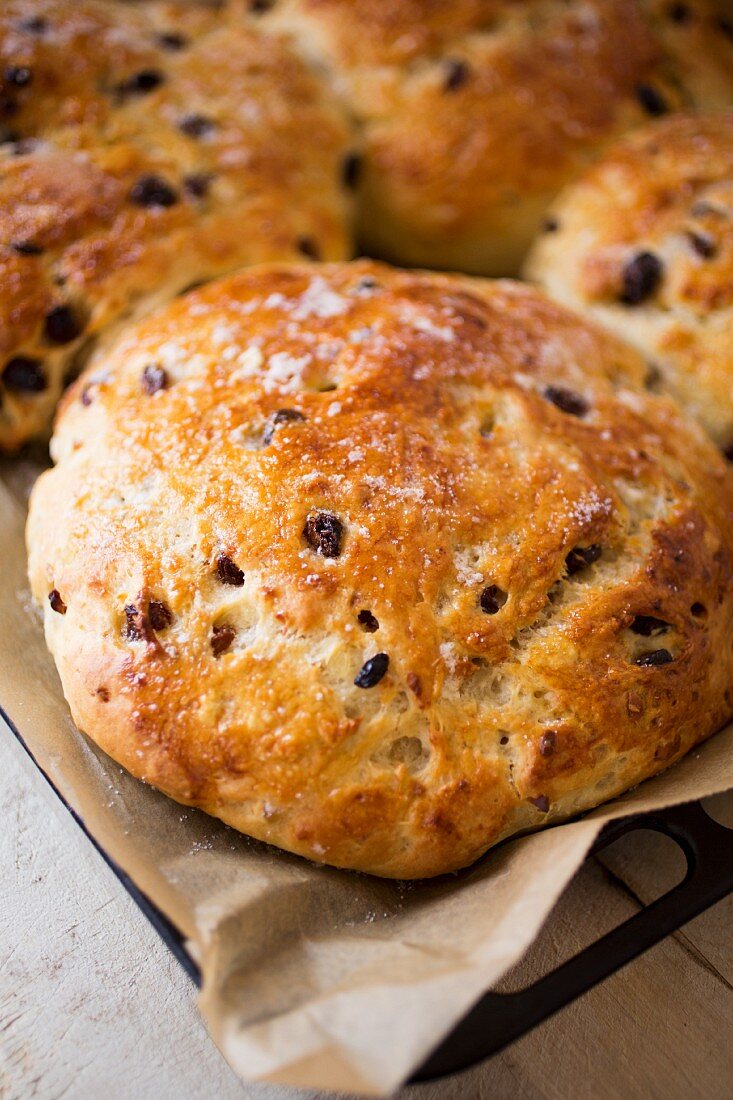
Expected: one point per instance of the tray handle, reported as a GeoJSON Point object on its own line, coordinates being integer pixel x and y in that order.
{"type": "Point", "coordinates": [500, 1018]}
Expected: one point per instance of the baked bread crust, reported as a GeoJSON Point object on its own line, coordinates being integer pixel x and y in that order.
{"type": "Point", "coordinates": [474, 114]}
{"type": "Point", "coordinates": [157, 147]}
{"type": "Point", "coordinates": [290, 475]}
{"type": "Point", "coordinates": [183, 143]}
{"type": "Point", "coordinates": [643, 243]}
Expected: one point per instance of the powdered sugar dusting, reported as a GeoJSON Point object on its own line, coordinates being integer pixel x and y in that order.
{"type": "Point", "coordinates": [223, 334]}
{"type": "Point", "coordinates": [274, 301]}
{"type": "Point", "coordinates": [466, 572]}
{"type": "Point", "coordinates": [171, 355]}
{"type": "Point", "coordinates": [285, 372]}
{"type": "Point", "coordinates": [424, 324]}
{"type": "Point", "coordinates": [249, 363]}
{"type": "Point", "coordinates": [319, 300]}
{"type": "Point", "coordinates": [449, 655]}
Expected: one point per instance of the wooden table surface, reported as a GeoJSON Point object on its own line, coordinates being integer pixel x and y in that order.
{"type": "Point", "coordinates": [93, 1007]}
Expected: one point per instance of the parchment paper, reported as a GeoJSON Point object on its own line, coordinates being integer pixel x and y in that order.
{"type": "Point", "coordinates": [311, 976]}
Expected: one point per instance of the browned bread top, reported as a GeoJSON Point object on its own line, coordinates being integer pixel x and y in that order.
{"type": "Point", "coordinates": [644, 243]}
{"type": "Point", "coordinates": [180, 143]}
{"type": "Point", "coordinates": [474, 114]}
{"type": "Point", "coordinates": [381, 566]}
{"type": "Point", "coordinates": [145, 150]}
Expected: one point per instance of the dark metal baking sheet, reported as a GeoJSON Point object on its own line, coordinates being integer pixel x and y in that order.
{"type": "Point", "coordinates": [500, 1018]}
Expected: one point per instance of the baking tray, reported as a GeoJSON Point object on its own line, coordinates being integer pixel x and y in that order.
{"type": "Point", "coordinates": [500, 1018]}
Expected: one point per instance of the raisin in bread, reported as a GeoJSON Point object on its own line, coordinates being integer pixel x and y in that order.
{"type": "Point", "coordinates": [143, 150]}
{"type": "Point", "coordinates": [382, 567]}
{"type": "Point", "coordinates": [644, 244]}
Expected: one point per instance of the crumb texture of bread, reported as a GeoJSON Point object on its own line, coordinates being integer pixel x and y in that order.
{"type": "Point", "coordinates": [382, 567]}
{"type": "Point", "coordinates": [643, 243]}
{"type": "Point", "coordinates": [473, 115]}
{"type": "Point", "coordinates": [144, 149]}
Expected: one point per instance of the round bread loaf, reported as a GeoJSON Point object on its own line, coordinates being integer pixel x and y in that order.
{"type": "Point", "coordinates": [143, 150]}
{"type": "Point", "coordinates": [474, 114]}
{"type": "Point", "coordinates": [382, 567]}
{"type": "Point", "coordinates": [644, 243]}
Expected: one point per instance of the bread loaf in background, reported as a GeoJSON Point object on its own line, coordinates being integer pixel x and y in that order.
{"type": "Point", "coordinates": [148, 147]}
{"type": "Point", "coordinates": [472, 115]}
{"type": "Point", "coordinates": [643, 243]}
{"type": "Point", "coordinates": [144, 149]}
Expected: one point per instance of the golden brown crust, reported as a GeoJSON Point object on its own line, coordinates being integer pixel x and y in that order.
{"type": "Point", "coordinates": [465, 478]}
{"type": "Point", "coordinates": [245, 145]}
{"type": "Point", "coordinates": [468, 119]}
{"type": "Point", "coordinates": [665, 194]}
{"type": "Point", "coordinates": [474, 114]}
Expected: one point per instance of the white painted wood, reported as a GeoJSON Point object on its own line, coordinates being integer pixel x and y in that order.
{"type": "Point", "coordinates": [93, 1007]}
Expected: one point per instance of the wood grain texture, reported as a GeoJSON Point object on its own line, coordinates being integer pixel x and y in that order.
{"type": "Point", "coordinates": [92, 1004]}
